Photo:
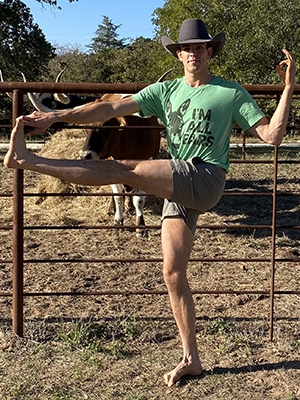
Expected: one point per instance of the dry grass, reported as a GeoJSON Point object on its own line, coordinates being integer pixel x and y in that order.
{"type": "Point", "coordinates": [118, 347]}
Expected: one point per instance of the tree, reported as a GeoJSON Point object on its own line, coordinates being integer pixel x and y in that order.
{"type": "Point", "coordinates": [105, 47]}
{"type": "Point", "coordinates": [79, 66]}
{"type": "Point", "coordinates": [23, 46]}
{"type": "Point", "coordinates": [106, 37]}
{"type": "Point", "coordinates": [138, 62]}
{"type": "Point", "coordinates": [125, 60]}
{"type": "Point", "coordinates": [256, 31]}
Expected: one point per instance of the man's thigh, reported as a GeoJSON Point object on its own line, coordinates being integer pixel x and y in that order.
{"type": "Point", "coordinates": [152, 176]}
{"type": "Point", "coordinates": [197, 187]}
{"type": "Point", "coordinates": [196, 184]}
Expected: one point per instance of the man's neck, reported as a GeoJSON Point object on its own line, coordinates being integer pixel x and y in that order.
{"type": "Point", "coordinates": [194, 80]}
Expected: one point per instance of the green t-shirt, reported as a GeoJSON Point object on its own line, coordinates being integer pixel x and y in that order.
{"type": "Point", "coordinates": [199, 121]}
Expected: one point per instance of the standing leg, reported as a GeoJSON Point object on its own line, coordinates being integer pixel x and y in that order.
{"type": "Point", "coordinates": [177, 241]}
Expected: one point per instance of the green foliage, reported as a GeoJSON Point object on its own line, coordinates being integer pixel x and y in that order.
{"type": "Point", "coordinates": [114, 60]}
{"type": "Point", "coordinates": [84, 335]}
{"type": "Point", "coordinates": [79, 66]}
{"type": "Point", "coordinates": [256, 31]}
{"type": "Point", "coordinates": [142, 61]}
{"type": "Point", "coordinates": [222, 326]}
{"type": "Point", "coordinates": [296, 345]}
{"type": "Point", "coordinates": [23, 46]}
{"type": "Point", "coordinates": [139, 62]}
{"type": "Point", "coordinates": [106, 37]}
{"type": "Point", "coordinates": [132, 327]}
{"type": "Point", "coordinates": [256, 38]}
{"type": "Point", "coordinates": [105, 49]}
{"type": "Point", "coordinates": [103, 338]}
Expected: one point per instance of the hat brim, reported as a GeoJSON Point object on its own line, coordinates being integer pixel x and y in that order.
{"type": "Point", "coordinates": [216, 43]}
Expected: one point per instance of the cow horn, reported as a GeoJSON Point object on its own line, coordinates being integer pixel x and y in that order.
{"type": "Point", "coordinates": [36, 99]}
{"type": "Point", "coordinates": [164, 75]}
{"type": "Point", "coordinates": [7, 93]}
{"type": "Point", "coordinates": [61, 97]}
{"type": "Point", "coordinates": [2, 80]}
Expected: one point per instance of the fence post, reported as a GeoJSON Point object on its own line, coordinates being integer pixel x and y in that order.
{"type": "Point", "coordinates": [18, 238]}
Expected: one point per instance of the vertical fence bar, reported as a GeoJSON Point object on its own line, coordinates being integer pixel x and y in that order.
{"type": "Point", "coordinates": [274, 219]}
{"type": "Point", "coordinates": [18, 231]}
{"type": "Point", "coordinates": [273, 255]}
{"type": "Point", "coordinates": [244, 145]}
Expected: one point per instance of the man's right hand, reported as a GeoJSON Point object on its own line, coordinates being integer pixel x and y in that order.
{"type": "Point", "coordinates": [39, 120]}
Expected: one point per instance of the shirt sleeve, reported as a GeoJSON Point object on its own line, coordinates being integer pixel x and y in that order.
{"type": "Point", "coordinates": [150, 100]}
{"type": "Point", "coordinates": [246, 111]}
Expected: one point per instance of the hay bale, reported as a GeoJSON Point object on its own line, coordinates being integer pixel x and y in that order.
{"type": "Point", "coordinates": [66, 144]}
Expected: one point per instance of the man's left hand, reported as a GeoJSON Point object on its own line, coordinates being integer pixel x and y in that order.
{"type": "Point", "coordinates": [287, 76]}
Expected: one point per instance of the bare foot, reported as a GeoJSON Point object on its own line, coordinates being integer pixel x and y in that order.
{"type": "Point", "coordinates": [184, 368]}
{"type": "Point", "coordinates": [15, 157]}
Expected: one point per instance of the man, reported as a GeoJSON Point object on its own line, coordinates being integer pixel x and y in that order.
{"type": "Point", "coordinates": [198, 111]}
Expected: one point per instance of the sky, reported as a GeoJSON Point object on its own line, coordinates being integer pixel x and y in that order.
{"type": "Point", "coordinates": [77, 22]}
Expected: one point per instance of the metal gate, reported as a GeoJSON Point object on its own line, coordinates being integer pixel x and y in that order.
{"type": "Point", "coordinates": [264, 91]}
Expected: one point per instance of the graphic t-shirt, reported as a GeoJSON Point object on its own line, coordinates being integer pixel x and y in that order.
{"type": "Point", "coordinates": [199, 121]}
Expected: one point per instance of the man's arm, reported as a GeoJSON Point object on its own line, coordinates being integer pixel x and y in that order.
{"type": "Point", "coordinates": [272, 131]}
{"type": "Point", "coordinates": [88, 113]}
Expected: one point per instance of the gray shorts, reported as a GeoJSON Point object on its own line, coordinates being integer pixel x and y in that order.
{"type": "Point", "coordinates": [197, 187]}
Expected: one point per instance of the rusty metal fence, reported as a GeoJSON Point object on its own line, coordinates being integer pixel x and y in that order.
{"type": "Point", "coordinates": [18, 294]}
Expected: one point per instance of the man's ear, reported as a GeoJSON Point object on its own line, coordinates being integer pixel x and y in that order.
{"type": "Point", "coordinates": [178, 52]}
{"type": "Point", "coordinates": [210, 51]}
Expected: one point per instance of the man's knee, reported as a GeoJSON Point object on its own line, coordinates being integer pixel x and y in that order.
{"type": "Point", "coordinates": [174, 276]}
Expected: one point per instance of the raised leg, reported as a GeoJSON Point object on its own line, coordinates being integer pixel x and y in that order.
{"type": "Point", "coordinates": [154, 176]}
{"type": "Point", "coordinates": [177, 241]}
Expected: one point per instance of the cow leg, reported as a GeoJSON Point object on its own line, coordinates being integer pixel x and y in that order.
{"type": "Point", "coordinates": [139, 202]}
{"type": "Point", "coordinates": [119, 217]}
{"type": "Point", "coordinates": [128, 199]}
{"type": "Point", "coordinates": [127, 204]}
{"type": "Point", "coordinates": [111, 209]}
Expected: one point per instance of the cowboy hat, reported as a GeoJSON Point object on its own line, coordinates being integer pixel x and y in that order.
{"type": "Point", "coordinates": [194, 31]}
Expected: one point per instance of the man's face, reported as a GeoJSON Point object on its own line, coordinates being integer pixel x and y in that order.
{"type": "Point", "coordinates": [194, 56]}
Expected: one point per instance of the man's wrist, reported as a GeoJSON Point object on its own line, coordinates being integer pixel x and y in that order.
{"type": "Point", "coordinates": [57, 116]}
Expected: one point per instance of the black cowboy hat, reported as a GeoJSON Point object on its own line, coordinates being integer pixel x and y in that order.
{"type": "Point", "coordinates": [194, 31]}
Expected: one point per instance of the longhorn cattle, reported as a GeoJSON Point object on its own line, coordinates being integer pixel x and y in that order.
{"type": "Point", "coordinates": [46, 102]}
{"type": "Point", "coordinates": [122, 143]}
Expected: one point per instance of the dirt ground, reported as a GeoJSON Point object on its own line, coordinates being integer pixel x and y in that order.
{"type": "Point", "coordinates": [136, 340]}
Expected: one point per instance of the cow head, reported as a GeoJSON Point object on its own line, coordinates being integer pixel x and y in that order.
{"type": "Point", "coordinates": [96, 145]}
{"type": "Point", "coordinates": [47, 102]}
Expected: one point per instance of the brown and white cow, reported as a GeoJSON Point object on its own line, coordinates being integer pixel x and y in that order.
{"type": "Point", "coordinates": [124, 143]}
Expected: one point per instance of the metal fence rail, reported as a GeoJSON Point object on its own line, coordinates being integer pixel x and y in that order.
{"type": "Point", "coordinates": [18, 261]}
